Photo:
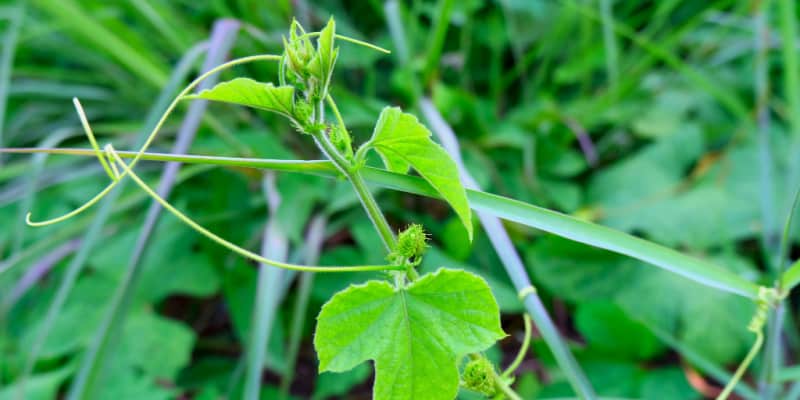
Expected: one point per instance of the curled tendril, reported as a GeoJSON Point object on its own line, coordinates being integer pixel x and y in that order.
{"type": "Point", "coordinates": [110, 167]}
{"type": "Point", "coordinates": [767, 298]}
{"type": "Point", "coordinates": [148, 141]}
{"type": "Point", "coordinates": [111, 162]}
{"type": "Point", "coordinates": [112, 156]}
{"type": "Point", "coordinates": [523, 350]}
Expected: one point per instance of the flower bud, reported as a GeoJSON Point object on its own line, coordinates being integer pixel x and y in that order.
{"type": "Point", "coordinates": [412, 242]}
{"type": "Point", "coordinates": [341, 140]}
{"type": "Point", "coordinates": [479, 376]}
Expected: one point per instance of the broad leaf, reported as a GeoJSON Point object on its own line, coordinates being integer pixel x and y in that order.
{"type": "Point", "coordinates": [38, 387]}
{"type": "Point", "coordinates": [402, 141]}
{"type": "Point", "coordinates": [603, 323]}
{"type": "Point", "coordinates": [322, 63]}
{"type": "Point", "coordinates": [415, 335]}
{"type": "Point", "coordinates": [250, 93]}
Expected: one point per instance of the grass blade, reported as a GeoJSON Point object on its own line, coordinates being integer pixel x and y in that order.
{"type": "Point", "coordinates": [94, 357]}
{"type": "Point", "coordinates": [76, 264]}
{"type": "Point", "coordinates": [771, 242]}
{"type": "Point", "coordinates": [274, 246]}
{"type": "Point", "coordinates": [610, 43]}
{"type": "Point", "coordinates": [7, 63]}
{"type": "Point", "coordinates": [511, 260]}
{"type": "Point", "coordinates": [36, 167]}
{"type": "Point", "coordinates": [566, 226]}
{"type": "Point", "coordinates": [436, 43]}
{"type": "Point", "coordinates": [313, 245]}
{"type": "Point", "coordinates": [719, 92]}
{"type": "Point", "coordinates": [37, 271]}
{"type": "Point", "coordinates": [71, 15]}
{"type": "Point", "coordinates": [571, 228]}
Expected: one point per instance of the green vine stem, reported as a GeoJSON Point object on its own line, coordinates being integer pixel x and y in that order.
{"type": "Point", "coordinates": [506, 389]}
{"type": "Point", "coordinates": [767, 298]}
{"type": "Point", "coordinates": [523, 350]}
{"type": "Point", "coordinates": [357, 181]}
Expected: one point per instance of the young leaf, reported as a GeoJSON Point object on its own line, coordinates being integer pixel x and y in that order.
{"type": "Point", "coordinates": [250, 93]}
{"type": "Point", "coordinates": [791, 277]}
{"type": "Point", "coordinates": [322, 63]}
{"type": "Point", "coordinates": [415, 334]}
{"type": "Point", "coordinates": [402, 141]}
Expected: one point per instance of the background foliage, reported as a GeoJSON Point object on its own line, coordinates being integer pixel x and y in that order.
{"type": "Point", "coordinates": [671, 120]}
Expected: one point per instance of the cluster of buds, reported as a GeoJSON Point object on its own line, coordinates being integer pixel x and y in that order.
{"type": "Point", "coordinates": [308, 70]}
{"type": "Point", "coordinates": [299, 53]}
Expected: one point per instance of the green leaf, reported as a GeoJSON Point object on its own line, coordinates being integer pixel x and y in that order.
{"type": "Point", "coordinates": [322, 63]}
{"type": "Point", "coordinates": [667, 383]}
{"type": "Point", "coordinates": [713, 324]}
{"type": "Point", "coordinates": [156, 345]}
{"type": "Point", "coordinates": [250, 93]}
{"type": "Point", "coordinates": [414, 334]}
{"type": "Point", "coordinates": [38, 387]}
{"type": "Point", "coordinates": [603, 324]}
{"type": "Point", "coordinates": [402, 141]}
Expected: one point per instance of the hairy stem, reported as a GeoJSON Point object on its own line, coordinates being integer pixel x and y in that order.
{"type": "Point", "coordinates": [360, 186]}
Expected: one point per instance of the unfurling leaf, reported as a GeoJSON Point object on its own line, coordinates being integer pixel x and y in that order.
{"type": "Point", "coordinates": [322, 64]}
{"type": "Point", "coordinates": [402, 141]}
{"type": "Point", "coordinates": [414, 334]}
{"type": "Point", "coordinates": [250, 93]}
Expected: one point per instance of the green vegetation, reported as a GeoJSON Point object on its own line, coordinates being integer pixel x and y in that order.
{"type": "Point", "coordinates": [639, 154]}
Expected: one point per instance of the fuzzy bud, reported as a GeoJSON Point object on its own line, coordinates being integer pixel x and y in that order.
{"type": "Point", "coordinates": [412, 242]}
{"type": "Point", "coordinates": [479, 376]}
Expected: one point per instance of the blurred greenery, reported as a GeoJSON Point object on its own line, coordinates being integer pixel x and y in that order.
{"type": "Point", "coordinates": [681, 129]}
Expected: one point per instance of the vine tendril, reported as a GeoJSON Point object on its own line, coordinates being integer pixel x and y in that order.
{"type": "Point", "coordinates": [767, 297]}
{"type": "Point", "coordinates": [148, 141]}
{"type": "Point", "coordinates": [112, 156]}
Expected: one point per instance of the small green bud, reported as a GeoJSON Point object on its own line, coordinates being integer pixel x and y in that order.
{"type": "Point", "coordinates": [479, 376]}
{"type": "Point", "coordinates": [341, 139]}
{"type": "Point", "coordinates": [299, 52]}
{"type": "Point", "coordinates": [302, 111]}
{"type": "Point", "coordinates": [412, 242]}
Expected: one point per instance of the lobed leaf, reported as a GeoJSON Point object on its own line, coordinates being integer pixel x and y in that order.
{"type": "Point", "coordinates": [250, 93]}
{"type": "Point", "coordinates": [414, 334]}
{"type": "Point", "coordinates": [403, 142]}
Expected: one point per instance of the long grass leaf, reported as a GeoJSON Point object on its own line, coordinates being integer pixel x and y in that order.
{"type": "Point", "coordinates": [312, 246]}
{"type": "Point", "coordinates": [701, 80]}
{"type": "Point", "coordinates": [275, 245]}
{"type": "Point", "coordinates": [771, 242]}
{"type": "Point", "coordinates": [73, 17]}
{"type": "Point", "coordinates": [179, 74]}
{"type": "Point", "coordinates": [7, 63]}
{"type": "Point", "coordinates": [610, 42]}
{"type": "Point", "coordinates": [32, 180]}
{"type": "Point", "coordinates": [559, 224]}
{"type": "Point", "coordinates": [76, 264]}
